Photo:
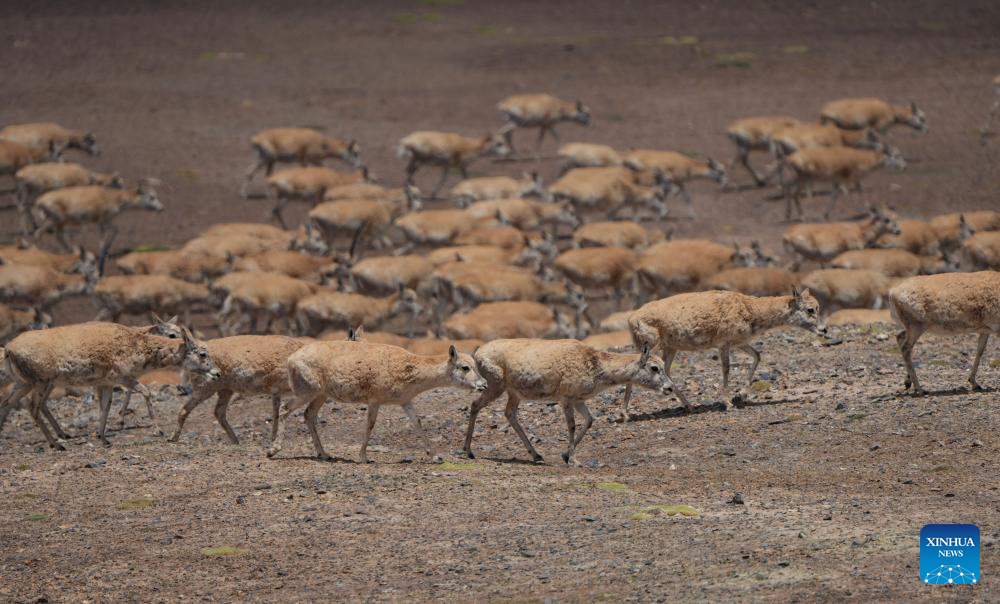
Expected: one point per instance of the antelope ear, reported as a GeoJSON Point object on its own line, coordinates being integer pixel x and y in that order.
{"type": "Point", "coordinates": [156, 317]}
{"type": "Point", "coordinates": [352, 335]}
{"type": "Point", "coordinates": [644, 356]}
{"type": "Point", "coordinates": [188, 340]}
{"type": "Point", "coordinates": [173, 320]}
{"type": "Point", "coordinates": [452, 353]}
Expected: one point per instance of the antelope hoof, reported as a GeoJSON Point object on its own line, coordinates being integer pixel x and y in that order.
{"type": "Point", "coordinates": [566, 458]}
{"type": "Point", "coordinates": [58, 446]}
{"type": "Point", "coordinates": [176, 436]}
{"type": "Point", "coordinates": [538, 459]}
{"type": "Point", "coordinates": [468, 453]}
{"type": "Point", "coordinates": [270, 452]}
{"type": "Point", "coordinates": [105, 441]}
{"type": "Point", "coordinates": [976, 387]}
{"type": "Point", "coordinates": [436, 459]}
{"type": "Point", "coordinates": [324, 457]}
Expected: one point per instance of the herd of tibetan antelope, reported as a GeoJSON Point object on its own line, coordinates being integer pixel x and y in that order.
{"type": "Point", "coordinates": [503, 284]}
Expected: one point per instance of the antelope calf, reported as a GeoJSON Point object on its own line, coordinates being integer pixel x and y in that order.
{"type": "Point", "coordinates": [100, 355]}
{"type": "Point", "coordinates": [566, 371]}
{"type": "Point", "coordinates": [148, 295]}
{"type": "Point", "coordinates": [855, 114]}
{"type": "Point", "coordinates": [308, 183]}
{"type": "Point", "coordinates": [677, 169]}
{"type": "Point", "coordinates": [892, 262]}
{"type": "Point", "coordinates": [754, 280]}
{"type": "Point", "coordinates": [76, 206]}
{"type": "Point", "coordinates": [754, 134]}
{"type": "Point", "coordinates": [382, 275]}
{"type": "Point", "coordinates": [339, 309]}
{"type": "Point", "coordinates": [303, 145]}
{"type": "Point", "coordinates": [587, 155]}
{"type": "Point", "coordinates": [524, 214]}
{"type": "Point", "coordinates": [496, 187]}
{"type": "Point", "coordinates": [248, 365]}
{"type": "Point", "coordinates": [715, 319]}
{"type": "Point", "coordinates": [837, 288]}
{"type": "Point", "coordinates": [542, 111]}
{"type": "Point", "coordinates": [368, 374]}
{"type": "Point", "coordinates": [842, 167]}
{"type": "Point", "coordinates": [823, 242]}
{"type": "Point", "coordinates": [15, 156]}
{"type": "Point", "coordinates": [48, 135]}
{"type": "Point", "coordinates": [437, 227]}
{"type": "Point", "coordinates": [447, 150]}
{"type": "Point", "coordinates": [365, 220]}
{"type": "Point", "coordinates": [496, 320]}
{"type": "Point", "coordinates": [606, 191]}
{"type": "Point", "coordinates": [954, 303]}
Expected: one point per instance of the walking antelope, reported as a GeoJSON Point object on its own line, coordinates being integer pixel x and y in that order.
{"type": "Point", "coordinates": [754, 134]}
{"type": "Point", "coordinates": [542, 111]}
{"type": "Point", "coordinates": [447, 150]}
{"type": "Point", "coordinates": [303, 145]}
{"type": "Point", "coordinates": [855, 114]}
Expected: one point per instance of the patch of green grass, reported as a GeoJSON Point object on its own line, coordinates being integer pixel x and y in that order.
{"type": "Point", "coordinates": [27, 496]}
{"type": "Point", "coordinates": [613, 487]}
{"type": "Point", "coordinates": [450, 466]}
{"type": "Point", "coordinates": [733, 60]}
{"type": "Point", "coordinates": [673, 510]}
{"type": "Point", "coordinates": [38, 517]}
{"type": "Point", "coordinates": [640, 516]}
{"type": "Point", "coordinates": [487, 30]}
{"type": "Point", "coordinates": [188, 174]}
{"type": "Point", "coordinates": [995, 363]}
{"type": "Point", "coordinates": [225, 551]}
{"type": "Point", "coordinates": [679, 40]}
{"type": "Point", "coordinates": [761, 386]}
{"type": "Point", "coordinates": [151, 248]}
{"type": "Point", "coordinates": [139, 503]}
{"type": "Point", "coordinates": [23, 467]}
{"type": "Point", "coordinates": [795, 49]}
{"type": "Point", "coordinates": [795, 417]}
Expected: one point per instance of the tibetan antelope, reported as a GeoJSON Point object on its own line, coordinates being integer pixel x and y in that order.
{"type": "Point", "coordinates": [542, 111]}
{"type": "Point", "coordinates": [303, 145]}
{"type": "Point", "coordinates": [447, 150]}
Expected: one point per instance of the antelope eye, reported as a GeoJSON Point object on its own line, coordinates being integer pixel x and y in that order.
{"type": "Point", "coordinates": [811, 311]}
{"type": "Point", "coordinates": [203, 355]}
{"type": "Point", "coordinates": [654, 369]}
{"type": "Point", "coordinates": [466, 369]}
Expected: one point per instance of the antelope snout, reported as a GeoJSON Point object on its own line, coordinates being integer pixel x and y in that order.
{"type": "Point", "coordinates": [213, 375]}
{"type": "Point", "coordinates": [822, 330]}
{"type": "Point", "coordinates": [667, 387]}
{"type": "Point", "coordinates": [480, 385]}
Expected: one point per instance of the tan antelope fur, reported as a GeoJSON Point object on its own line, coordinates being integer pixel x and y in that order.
{"type": "Point", "coordinates": [100, 355]}
{"type": "Point", "coordinates": [382, 275]}
{"type": "Point", "coordinates": [308, 183]}
{"type": "Point", "coordinates": [823, 242]}
{"type": "Point", "coordinates": [610, 341]}
{"type": "Point", "coordinates": [437, 227]}
{"type": "Point", "coordinates": [287, 262]}
{"type": "Point", "coordinates": [258, 230]}
{"type": "Point", "coordinates": [566, 371]}
{"type": "Point", "coordinates": [855, 114]}
{"type": "Point", "coordinates": [496, 187]}
{"type": "Point", "coordinates": [600, 268]}
{"type": "Point", "coordinates": [953, 303]}
{"type": "Point", "coordinates": [195, 268]}
{"type": "Point", "coordinates": [542, 111]}
{"type": "Point", "coordinates": [981, 251]}
{"type": "Point", "coordinates": [952, 229]}
{"type": "Point", "coordinates": [891, 262]}
{"type": "Point", "coordinates": [303, 145]}
{"type": "Point", "coordinates": [364, 220]}
{"type": "Point", "coordinates": [683, 264]}
{"type": "Point", "coordinates": [14, 321]}
{"type": "Point", "coordinates": [607, 191]}
{"type": "Point", "coordinates": [754, 280]}
{"type": "Point", "coordinates": [48, 135]}
{"type": "Point", "coordinates": [339, 309]}
{"type": "Point", "coordinates": [256, 294]}
{"type": "Point", "coordinates": [587, 155]}
{"type": "Point", "coordinates": [362, 373]}
{"type": "Point", "coordinates": [502, 236]}
{"type": "Point", "coordinates": [616, 321]}
{"type": "Point", "coordinates": [35, 179]}
{"type": "Point", "coordinates": [858, 317]}
{"type": "Point", "coordinates": [915, 236]}
{"type": "Point", "coordinates": [247, 365]}
{"type": "Point", "coordinates": [447, 150]}
{"type": "Point", "coordinates": [525, 214]}
{"type": "Point", "coordinates": [41, 287]}
{"type": "Point", "coordinates": [837, 288]}
{"type": "Point", "coordinates": [676, 169]}
{"type": "Point", "coordinates": [148, 295]}
{"type": "Point", "coordinates": [716, 319]}
{"type": "Point", "coordinates": [754, 134]}
{"type": "Point", "coordinates": [78, 206]}
{"type": "Point", "coordinates": [518, 319]}
{"type": "Point", "coordinates": [615, 233]}
{"type": "Point", "coordinates": [80, 261]}
{"type": "Point", "coordinates": [15, 156]}
{"type": "Point", "coordinates": [842, 167]}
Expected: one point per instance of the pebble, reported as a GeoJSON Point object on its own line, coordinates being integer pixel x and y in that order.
{"type": "Point", "coordinates": [875, 447]}
{"type": "Point", "coordinates": [841, 406]}
{"type": "Point", "coordinates": [737, 499]}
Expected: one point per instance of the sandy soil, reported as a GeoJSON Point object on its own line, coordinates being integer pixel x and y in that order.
{"type": "Point", "coordinates": [833, 498]}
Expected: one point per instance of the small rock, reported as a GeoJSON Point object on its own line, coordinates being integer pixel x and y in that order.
{"type": "Point", "coordinates": [841, 406]}
{"type": "Point", "coordinates": [802, 535]}
{"type": "Point", "coordinates": [907, 481]}
{"type": "Point", "coordinates": [262, 487]}
{"type": "Point", "coordinates": [737, 499]}
{"type": "Point", "coordinates": [784, 563]}
{"type": "Point", "coordinates": [875, 447]}
{"type": "Point", "coordinates": [588, 518]}
{"type": "Point", "coordinates": [527, 553]}
{"type": "Point", "coordinates": [100, 463]}
{"type": "Point", "coordinates": [240, 500]}
{"type": "Point", "coordinates": [977, 443]}
{"type": "Point", "coordinates": [282, 573]}
{"type": "Point", "coordinates": [728, 451]}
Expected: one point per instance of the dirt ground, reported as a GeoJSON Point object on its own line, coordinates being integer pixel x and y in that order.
{"type": "Point", "coordinates": [833, 498]}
